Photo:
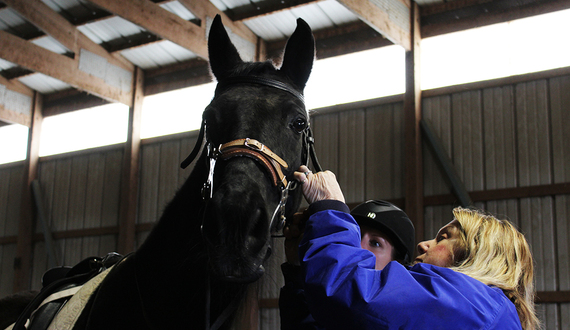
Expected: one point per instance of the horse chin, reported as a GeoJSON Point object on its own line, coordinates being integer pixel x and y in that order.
{"type": "Point", "coordinates": [239, 268]}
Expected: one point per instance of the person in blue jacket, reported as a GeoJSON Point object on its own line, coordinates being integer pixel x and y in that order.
{"type": "Point", "coordinates": [477, 273]}
{"type": "Point", "coordinates": [385, 230]}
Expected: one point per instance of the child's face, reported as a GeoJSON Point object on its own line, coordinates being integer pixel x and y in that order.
{"type": "Point", "coordinates": [378, 243]}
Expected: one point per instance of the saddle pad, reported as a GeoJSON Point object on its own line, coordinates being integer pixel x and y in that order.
{"type": "Point", "coordinates": [70, 312]}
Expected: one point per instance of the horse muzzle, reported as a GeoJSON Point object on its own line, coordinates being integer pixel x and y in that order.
{"type": "Point", "coordinates": [236, 231]}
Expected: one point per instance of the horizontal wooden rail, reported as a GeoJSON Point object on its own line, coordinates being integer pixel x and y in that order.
{"type": "Point", "coordinates": [446, 199]}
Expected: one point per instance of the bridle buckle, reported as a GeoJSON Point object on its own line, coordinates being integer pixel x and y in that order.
{"type": "Point", "coordinates": [254, 144]}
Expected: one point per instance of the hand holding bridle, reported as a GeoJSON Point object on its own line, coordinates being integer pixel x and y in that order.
{"type": "Point", "coordinates": [319, 186]}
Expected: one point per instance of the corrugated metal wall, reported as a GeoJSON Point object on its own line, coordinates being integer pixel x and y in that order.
{"type": "Point", "coordinates": [10, 197]}
{"type": "Point", "coordinates": [161, 176]}
{"type": "Point", "coordinates": [507, 137]}
{"type": "Point", "coordinates": [80, 192]}
{"type": "Point", "coordinates": [501, 137]}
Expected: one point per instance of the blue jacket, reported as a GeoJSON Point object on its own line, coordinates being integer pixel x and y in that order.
{"type": "Point", "coordinates": [344, 291]}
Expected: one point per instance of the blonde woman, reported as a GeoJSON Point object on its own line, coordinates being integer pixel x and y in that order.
{"type": "Point", "coordinates": [477, 273]}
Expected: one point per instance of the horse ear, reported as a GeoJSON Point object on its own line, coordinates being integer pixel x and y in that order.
{"type": "Point", "coordinates": [223, 54]}
{"type": "Point", "coordinates": [299, 54]}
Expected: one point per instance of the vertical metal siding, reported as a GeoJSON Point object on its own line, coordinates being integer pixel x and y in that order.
{"type": "Point", "coordinates": [10, 199]}
{"type": "Point", "coordinates": [160, 177]}
{"type": "Point", "coordinates": [505, 137]}
{"type": "Point", "coordinates": [560, 119]}
{"type": "Point", "coordinates": [79, 192]}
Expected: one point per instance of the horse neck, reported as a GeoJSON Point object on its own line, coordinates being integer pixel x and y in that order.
{"type": "Point", "coordinates": [174, 255]}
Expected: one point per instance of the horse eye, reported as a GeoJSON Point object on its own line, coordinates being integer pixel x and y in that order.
{"type": "Point", "coordinates": [299, 125]}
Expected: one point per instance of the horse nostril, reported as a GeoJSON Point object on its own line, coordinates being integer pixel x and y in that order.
{"type": "Point", "coordinates": [257, 235]}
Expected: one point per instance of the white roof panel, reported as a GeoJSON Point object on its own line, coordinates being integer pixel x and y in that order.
{"type": "Point", "coordinates": [4, 65]}
{"type": "Point", "coordinates": [50, 44]}
{"type": "Point", "coordinates": [177, 8]}
{"type": "Point", "coordinates": [43, 84]}
{"type": "Point", "coordinates": [157, 54]}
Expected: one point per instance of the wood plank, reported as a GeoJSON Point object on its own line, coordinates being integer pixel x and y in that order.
{"type": "Point", "coordinates": [505, 193]}
{"type": "Point", "coordinates": [28, 55]}
{"type": "Point", "coordinates": [4, 193]}
{"type": "Point", "coordinates": [53, 24]}
{"type": "Point", "coordinates": [168, 175]}
{"type": "Point", "coordinates": [392, 21]}
{"type": "Point", "coordinates": [326, 134]}
{"type": "Point", "coordinates": [204, 9]}
{"type": "Point", "coordinates": [413, 140]}
{"type": "Point", "coordinates": [398, 181]}
{"type": "Point", "coordinates": [7, 278]}
{"type": "Point", "coordinates": [159, 21]}
{"type": "Point", "coordinates": [148, 210]}
{"type": "Point", "coordinates": [379, 149]}
{"type": "Point", "coordinates": [351, 155]}
{"type": "Point", "coordinates": [130, 170]}
{"type": "Point", "coordinates": [438, 111]}
{"type": "Point", "coordinates": [560, 120]}
{"type": "Point", "coordinates": [23, 260]}
{"type": "Point", "coordinates": [112, 188]}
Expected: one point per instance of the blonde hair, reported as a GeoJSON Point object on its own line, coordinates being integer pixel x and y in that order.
{"type": "Point", "coordinates": [497, 254]}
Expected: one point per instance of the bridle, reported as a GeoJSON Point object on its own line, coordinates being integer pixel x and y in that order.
{"type": "Point", "coordinates": [256, 150]}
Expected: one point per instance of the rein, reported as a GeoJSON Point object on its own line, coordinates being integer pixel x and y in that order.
{"type": "Point", "coordinates": [251, 148]}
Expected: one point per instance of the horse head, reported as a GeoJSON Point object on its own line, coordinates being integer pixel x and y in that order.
{"type": "Point", "coordinates": [255, 130]}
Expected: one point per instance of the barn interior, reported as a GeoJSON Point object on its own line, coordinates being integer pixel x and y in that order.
{"type": "Point", "coordinates": [499, 144]}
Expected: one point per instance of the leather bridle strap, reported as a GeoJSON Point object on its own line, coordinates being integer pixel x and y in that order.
{"type": "Point", "coordinates": [258, 151]}
{"type": "Point", "coordinates": [222, 85]}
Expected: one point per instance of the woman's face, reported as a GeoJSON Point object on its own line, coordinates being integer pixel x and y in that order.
{"type": "Point", "coordinates": [378, 243]}
{"type": "Point", "coordinates": [444, 249]}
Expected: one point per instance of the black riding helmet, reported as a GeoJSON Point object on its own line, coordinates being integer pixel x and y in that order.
{"type": "Point", "coordinates": [390, 220]}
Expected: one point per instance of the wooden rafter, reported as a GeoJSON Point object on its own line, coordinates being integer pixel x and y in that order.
{"type": "Point", "coordinates": [392, 21]}
{"type": "Point", "coordinates": [35, 58]}
{"type": "Point", "coordinates": [204, 8]}
{"type": "Point", "coordinates": [54, 25]}
{"type": "Point", "coordinates": [159, 21]}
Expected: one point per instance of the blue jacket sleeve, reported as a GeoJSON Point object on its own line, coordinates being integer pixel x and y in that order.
{"type": "Point", "coordinates": [344, 291]}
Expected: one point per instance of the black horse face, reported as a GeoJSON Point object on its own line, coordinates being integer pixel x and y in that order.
{"type": "Point", "coordinates": [237, 218]}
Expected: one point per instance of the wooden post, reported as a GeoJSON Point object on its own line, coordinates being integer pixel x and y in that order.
{"type": "Point", "coordinates": [130, 177]}
{"type": "Point", "coordinates": [412, 117]}
{"type": "Point", "coordinates": [23, 260]}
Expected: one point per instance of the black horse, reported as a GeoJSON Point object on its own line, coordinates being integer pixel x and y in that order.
{"type": "Point", "coordinates": [214, 236]}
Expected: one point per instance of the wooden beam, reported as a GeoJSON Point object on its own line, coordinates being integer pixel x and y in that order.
{"type": "Point", "coordinates": [412, 133]}
{"type": "Point", "coordinates": [23, 260]}
{"type": "Point", "coordinates": [392, 20]}
{"type": "Point", "coordinates": [545, 297]}
{"type": "Point", "coordinates": [204, 9]}
{"type": "Point", "coordinates": [444, 19]}
{"type": "Point", "coordinates": [503, 193]}
{"type": "Point", "coordinates": [18, 112]}
{"type": "Point", "coordinates": [70, 100]}
{"type": "Point", "coordinates": [264, 8]}
{"type": "Point", "coordinates": [130, 177]}
{"type": "Point", "coordinates": [26, 54]}
{"type": "Point", "coordinates": [159, 21]}
{"type": "Point", "coordinates": [49, 21]}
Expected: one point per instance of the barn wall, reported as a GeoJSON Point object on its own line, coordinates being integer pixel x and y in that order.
{"type": "Point", "coordinates": [507, 137]}
{"type": "Point", "coordinates": [80, 191]}
{"type": "Point", "coordinates": [161, 176]}
{"type": "Point", "coordinates": [11, 182]}
{"type": "Point", "coordinates": [500, 137]}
